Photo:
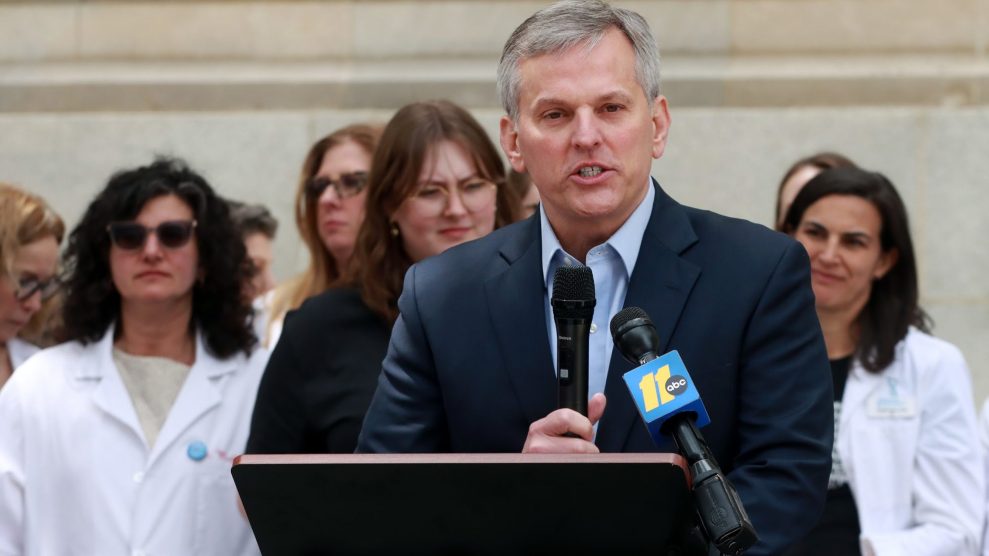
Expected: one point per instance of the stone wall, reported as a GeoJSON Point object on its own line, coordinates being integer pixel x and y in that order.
{"type": "Point", "coordinates": [241, 88]}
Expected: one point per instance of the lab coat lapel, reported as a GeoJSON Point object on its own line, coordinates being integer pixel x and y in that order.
{"type": "Point", "coordinates": [199, 394]}
{"type": "Point", "coordinates": [110, 395]}
{"type": "Point", "coordinates": [861, 384]}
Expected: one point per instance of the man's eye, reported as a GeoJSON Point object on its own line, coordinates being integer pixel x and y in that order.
{"type": "Point", "coordinates": [612, 108]}
{"type": "Point", "coordinates": [554, 115]}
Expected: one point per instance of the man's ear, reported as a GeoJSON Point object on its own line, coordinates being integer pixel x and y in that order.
{"type": "Point", "coordinates": [661, 126]}
{"type": "Point", "coordinates": [510, 143]}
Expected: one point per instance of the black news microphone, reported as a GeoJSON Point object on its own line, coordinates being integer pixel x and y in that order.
{"type": "Point", "coordinates": [719, 510]}
{"type": "Point", "coordinates": [573, 309]}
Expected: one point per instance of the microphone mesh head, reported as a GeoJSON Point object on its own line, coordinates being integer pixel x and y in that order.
{"type": "Point", "coordinates": [625, 315]}
{"type": "Point", "coordinates": [575, 283]}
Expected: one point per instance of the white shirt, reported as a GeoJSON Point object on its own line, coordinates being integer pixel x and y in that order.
{"type": "Point", "coordinates": [612, 263]}
{"type": "Point", "coordinates": [77, 477]}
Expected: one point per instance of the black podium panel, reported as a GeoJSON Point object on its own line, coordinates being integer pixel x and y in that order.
{"type": "Point", "coordinates": [463, 504]}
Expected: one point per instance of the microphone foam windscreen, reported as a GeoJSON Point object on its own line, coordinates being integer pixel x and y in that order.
{"type": "Point", "coordinates": [573, 283]}
{"type": "Point", "coordinates": [625, 315]}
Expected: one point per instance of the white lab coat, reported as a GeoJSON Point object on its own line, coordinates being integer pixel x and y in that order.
{"type": "Point", "coordinates": [907, 440]}
{"type": "Point", "coordinates": [20, 351]}
{"type": "Point", "coordinates": [984, 437]}
{"type": "Point", "coordinates": [76, 476]}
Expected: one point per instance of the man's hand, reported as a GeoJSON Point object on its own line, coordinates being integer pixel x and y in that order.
{"type": "Point", "coordinates": [547, 434]}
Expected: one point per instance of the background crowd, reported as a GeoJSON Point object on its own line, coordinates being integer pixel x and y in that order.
{"type": "Point", "coordinates": [163, 308]}
{"type": "Point", "coordinates": [171, 285]}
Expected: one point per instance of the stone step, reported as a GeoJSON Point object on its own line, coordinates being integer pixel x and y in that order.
{"type": "Point", "coordinates": [689, 80]}
{"type": "Point", "coordinates": [70, 30]}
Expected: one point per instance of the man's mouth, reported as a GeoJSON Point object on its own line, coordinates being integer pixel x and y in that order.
{"type": "Point", "coordinates": [590, 171]}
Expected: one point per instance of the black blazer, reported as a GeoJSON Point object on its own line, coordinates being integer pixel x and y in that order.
{"type": "Point", "coordinates": [469, 365]}
{"type": "Point", "coordinates": [320, 378]}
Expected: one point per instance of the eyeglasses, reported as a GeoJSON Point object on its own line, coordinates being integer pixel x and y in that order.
{"type": "Point", "coordinates": [26, 287]}
{"type": "Point", "coordinates": [347, 186]}
{"type": "Point", "coordinates": [131, 235]}
{"type": "Point", "coordinates": [476, 195]}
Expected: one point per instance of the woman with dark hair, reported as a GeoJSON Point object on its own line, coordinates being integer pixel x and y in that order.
{"type": "Point", "coordinates": [801, 172]}
{"type": "Point", "coordinates": [30, 233]}
{"type": "Point", "coordinates": [907, 476]}
{"type": "Point", "coordinates": [329, 209]}
{"type": "Point", "coordinates": [525, 190]}
{"type": "Point", "coordinates": [436, 181]}
{"type": "Point", "coordinates": [120, 440]}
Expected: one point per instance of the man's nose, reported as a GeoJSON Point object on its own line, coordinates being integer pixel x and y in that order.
{"type": "Point", "coordinates": [587, 130]}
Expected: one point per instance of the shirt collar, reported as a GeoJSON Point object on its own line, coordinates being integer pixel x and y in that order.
{"type": "Point", "coordinates": [626, 241]}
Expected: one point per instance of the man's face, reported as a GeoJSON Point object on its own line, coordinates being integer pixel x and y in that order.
{"type": "Point", "coordinates": [586, 133]}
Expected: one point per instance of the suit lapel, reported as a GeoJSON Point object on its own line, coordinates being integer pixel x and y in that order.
{"type": "Point", "coordinates": [660, 284]}
{"type": "Point", "coordinates": [518, 314]}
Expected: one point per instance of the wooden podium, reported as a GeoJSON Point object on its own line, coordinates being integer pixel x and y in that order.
{"type": "Point", "coordinates": [486, 504]}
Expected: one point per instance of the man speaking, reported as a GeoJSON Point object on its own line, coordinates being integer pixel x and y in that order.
{"type": "Point", "coordinates": [471, 367]}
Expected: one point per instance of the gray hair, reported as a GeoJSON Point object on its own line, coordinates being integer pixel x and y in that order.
{"type": "Point", "coordinates": [570, 23]}
{"type": "Point", "coordinates": [252, 219]}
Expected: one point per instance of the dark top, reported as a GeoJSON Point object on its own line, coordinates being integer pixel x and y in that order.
{"type": "Point", "coordinates": [320, 378]}
{"type": "Point", "coordinates": [837, 533]}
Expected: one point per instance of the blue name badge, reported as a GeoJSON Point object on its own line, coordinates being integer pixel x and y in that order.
{"type": "Point", "coordinates": [663, 388]}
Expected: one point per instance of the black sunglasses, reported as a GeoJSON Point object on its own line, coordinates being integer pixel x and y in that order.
{"type": "Point", "coordinates": [347, 186]}
{"type": "Point", "coordinates": [26, 287]}
{"type": "Point", "coordinates": [131, 235]}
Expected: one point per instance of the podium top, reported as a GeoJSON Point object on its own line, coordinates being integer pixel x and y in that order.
{"type": "Point", "coordinates": [486, 504]}
{"type": "Point", "coordinates": [364, 459]}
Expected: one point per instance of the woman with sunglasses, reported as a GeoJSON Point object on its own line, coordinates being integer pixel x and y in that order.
{"type": "Point", "coordinates": [329, 209]}
{"type": "Point", "coordinates": [30, 233]}
{"type": "Point", "coordinates": [436, 181]}
{"type": "Point", "coordinates": [120, 440]}
{"type": "Point", "coordinates": [907, 475]}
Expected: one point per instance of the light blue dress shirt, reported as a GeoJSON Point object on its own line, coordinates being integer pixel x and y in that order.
{"type": "Point", "coordinates": [612, 263]}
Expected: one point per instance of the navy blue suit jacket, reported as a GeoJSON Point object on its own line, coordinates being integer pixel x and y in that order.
{"type": "Point", "coordinates": [469, 365]}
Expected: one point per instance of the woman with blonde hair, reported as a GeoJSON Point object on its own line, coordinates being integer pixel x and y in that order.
{"type": "Point", "coordinates": [30, 233]}
{"type": "Point", "coordinates": [436, 181]}
{"type": "Point", "coordinates": [329, 209]}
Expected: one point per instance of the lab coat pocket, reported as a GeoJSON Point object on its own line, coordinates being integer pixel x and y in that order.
{"type": "Point", "coordinates": [883, 452]}
{"type": "Point", "coordinates": [220, 527]}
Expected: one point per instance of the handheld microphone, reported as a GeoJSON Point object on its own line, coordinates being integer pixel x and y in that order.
{"type": "Point", "coordinates": [670, 405]}
{"type": "Point", "coordinates": [573, 309]}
